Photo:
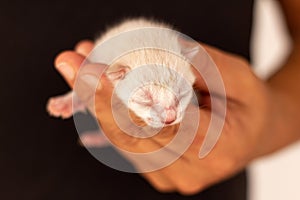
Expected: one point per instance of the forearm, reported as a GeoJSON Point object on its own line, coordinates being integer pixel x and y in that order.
{"type": "Point", "coordinates": [285, 86]}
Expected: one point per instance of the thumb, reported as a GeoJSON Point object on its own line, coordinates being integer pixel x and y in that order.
{"type": "Point", "coordinates": [68, 63]}
{"type": "Point", "coordinates": [87, 81]}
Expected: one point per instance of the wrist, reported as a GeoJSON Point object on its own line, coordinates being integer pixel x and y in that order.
{"type": "Point", "coordinates": [283, 121]}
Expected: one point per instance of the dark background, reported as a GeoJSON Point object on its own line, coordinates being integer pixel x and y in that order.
{"type": "Point", "coordinates": [39, 155]}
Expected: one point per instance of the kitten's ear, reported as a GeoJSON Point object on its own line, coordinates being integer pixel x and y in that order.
{"type": "Point", "coordinates": [189, 48]}
{"type": "Point", "coordinates": [118, 74]}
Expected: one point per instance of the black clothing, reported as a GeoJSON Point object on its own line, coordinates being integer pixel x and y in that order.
{"type": "Point", "coordinates": [39, 156]}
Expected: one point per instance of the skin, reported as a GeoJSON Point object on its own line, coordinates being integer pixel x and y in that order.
{"type": "Point", "coordinates": [258, 122]}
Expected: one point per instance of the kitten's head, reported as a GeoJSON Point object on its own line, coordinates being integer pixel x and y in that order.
{"type": "Point", "coordinates": [159, 95]}
{"type": "Point", "coordinates": [158, 105]}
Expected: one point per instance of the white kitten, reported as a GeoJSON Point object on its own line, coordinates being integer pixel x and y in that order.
{"type": "Point", "coordinates": [160, 91]}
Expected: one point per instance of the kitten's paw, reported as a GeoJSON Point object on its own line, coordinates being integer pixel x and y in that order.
{"type": "Point", "coordinates": [60, 107]}
{"type": "Point", "coordinates": [65, 106]}
{"type": "Point", "coordinates": [91, 139]}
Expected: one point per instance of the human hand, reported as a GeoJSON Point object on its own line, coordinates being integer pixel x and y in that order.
{"type": "Point", "coordinates": [251, 118]}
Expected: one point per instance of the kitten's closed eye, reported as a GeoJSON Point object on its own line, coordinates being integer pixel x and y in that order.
{"type": "Point", "coordinates": [143, 97]}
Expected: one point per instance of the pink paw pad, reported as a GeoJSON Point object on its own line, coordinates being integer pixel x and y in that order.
{"type": "Point", "coordinates": [62, 106]}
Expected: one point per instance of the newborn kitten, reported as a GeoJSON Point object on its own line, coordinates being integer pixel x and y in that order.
{"type": "Point", "coordinates": [161, 100]}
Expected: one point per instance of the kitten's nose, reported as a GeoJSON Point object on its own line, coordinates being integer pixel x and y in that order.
{"type": "Point", "coordinates": [169, 116]}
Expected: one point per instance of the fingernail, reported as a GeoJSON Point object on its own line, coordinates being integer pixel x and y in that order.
{"type": "Point", "coordinates": [66, 70]}
{"type": "Point", "coordinates": [91, 80]}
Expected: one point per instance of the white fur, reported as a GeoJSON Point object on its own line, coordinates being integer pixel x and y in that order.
{"type": "Point", "coordinates": [168, 78]}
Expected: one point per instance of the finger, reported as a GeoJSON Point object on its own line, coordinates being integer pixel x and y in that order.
{"type": "Point", "coordinates": [198, 176]}
{"type": "Point", "coordinates": [230, 67]}
{"type": "Point", "coordinates": [218, 54]}
{"type": "Point", "coordinates": [87, 81]}
{"type": "Point", "coordinates": [228, 64]}
{"type": "Point", "coordinates": [159, 181]}
{"type": "Point", "coordinates": [189, 181]}
{"type": "Point", "coordinates": [68, 63]}
{"type": "Point", "coordinates": [199, 82]}
{"type": "Point", "coordinates": [195, 179]}
{"type": "Point", "coordinates": [84, 47]}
